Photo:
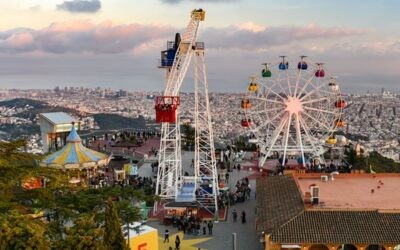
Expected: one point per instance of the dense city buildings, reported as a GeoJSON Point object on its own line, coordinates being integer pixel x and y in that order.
{"type": "Point", "coordinates": [371, 119]}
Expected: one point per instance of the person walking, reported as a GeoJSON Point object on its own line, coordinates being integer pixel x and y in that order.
{"type": "Point", "coordinates": [234, 215]}
{"type": "Point", "coordinates": [204, 228]}
{"type": "Point", "coordinates": [210, 227]}
{"type": "Point", "coordinates": [166, 236]}
{"type": "Point", "coordinates": [177, 242]}
{"type": "Point", "coordinates": [243, 217]}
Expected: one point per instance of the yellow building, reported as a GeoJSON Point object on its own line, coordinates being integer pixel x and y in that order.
{"type": "Point", "coordinates": [329, 212]}
{"type": "Point", "coordinates": [142, 237]}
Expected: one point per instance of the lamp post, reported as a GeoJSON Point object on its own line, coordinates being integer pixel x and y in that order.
{"type": "Point", "coordinates": [233, 241]}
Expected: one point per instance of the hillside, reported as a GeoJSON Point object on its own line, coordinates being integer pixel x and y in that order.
{"type": "Point", "coordinates": [381, 164]}
{"type": "Point", "coordinates": [11, 131]}
{"type": "Point", "coordinates": [38, 107]}
{"type": "Point", "coordinates": [23, 102]}
{"type": "Point", "coordinates": [113, 121]}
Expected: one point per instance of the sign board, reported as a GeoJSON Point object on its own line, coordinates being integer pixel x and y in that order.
{"type": "Point", "coordinates": [134, 169]}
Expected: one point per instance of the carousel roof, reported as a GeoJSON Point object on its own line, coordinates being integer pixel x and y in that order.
{"type": "Point", "coordinates": [75, 155]}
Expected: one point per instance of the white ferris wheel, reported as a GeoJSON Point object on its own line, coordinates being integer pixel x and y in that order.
{"type": "Point", "coordinates": [292, 110]}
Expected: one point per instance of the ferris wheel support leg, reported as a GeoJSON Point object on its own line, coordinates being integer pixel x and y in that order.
{"type": "Point", "coordinates": [314, 147]}
{"type": "Point", "coordinates": [286, 140]}
{"type": "Point", "coordinates": [262, 159]}
{"type": "Point", "coordinates": [300, 140]}
{"type": "Point", "coordinates": [196, 125]}
{"type": "Point", "coordinates": [276, 135]}
{"type": "Point", "coordinates": [205, 162]}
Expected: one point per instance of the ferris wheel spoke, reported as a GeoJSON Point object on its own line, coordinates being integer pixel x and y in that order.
{"type": "Point", "coordinates": [256, 106]}
{"type": "Point", "coordinates": [269, 121]}
{"type": "Point", "coordinates": [317, 88]}
{"type": "Point", "coordinates": [324, 91]}
{"type": "Point", "coordinates": [306, 129]}
{"type": "Point", "coordinates": [264, 111]}
{"type": "Point", "coordinates": [321, 110]}
{"type": "Point", "coordinates": [298, 77]}
{"type": "Point", "coordinates": [276, 94]}
{"type": "Point", "coordinates": [288, 82]}
{"type": "Point", "coordinates": [317, 121]}
{"type": "Point", "coordinates": [276, 134]}
{"type": "Point", "coordinates": [316, 100]}
{"type": "Point", "coordinates": [305, 86]}
{"type": "Point", "coordinates": [280, 84]}
{"type": "Point", "coordinates": [266, 99]}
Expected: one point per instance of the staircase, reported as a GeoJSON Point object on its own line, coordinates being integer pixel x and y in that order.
{"type": "Point", "coordinates": [186, 193]}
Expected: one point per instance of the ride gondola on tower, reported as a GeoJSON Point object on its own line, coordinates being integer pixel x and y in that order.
{"type": "Point", "coordinates": [166, 108]}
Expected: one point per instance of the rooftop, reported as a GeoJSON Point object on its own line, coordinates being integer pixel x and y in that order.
{"type": "Point", "coordinates": [350, 213]}
{"type": "Point", "coordinates": [278, 200]}
{"type": "Point", "coordinates": [354, 191]}
{"type": "Point", "coordinates": [58, 117]}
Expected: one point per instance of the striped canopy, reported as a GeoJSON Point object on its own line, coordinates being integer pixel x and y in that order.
{"type": "Point", "coordinates": [74, 155]}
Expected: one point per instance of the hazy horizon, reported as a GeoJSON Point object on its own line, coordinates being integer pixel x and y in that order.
{"type": "Point", "coordinates": [118, 42]}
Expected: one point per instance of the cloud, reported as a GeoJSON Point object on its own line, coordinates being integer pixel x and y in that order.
{"type": "Point", "coordinates": [80, 6]}
{"type": "Point", "coordinates": [105, 38]}
{"type": "Point", "coordinates": [201, 1]}
{"type": "Point", "coordinates": [250, 36]}
{"type": "Point", "coordinates": [83, 37]}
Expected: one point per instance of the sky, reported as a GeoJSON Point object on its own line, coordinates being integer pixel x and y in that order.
{"type": "Point", "coordinates": [117, 43]}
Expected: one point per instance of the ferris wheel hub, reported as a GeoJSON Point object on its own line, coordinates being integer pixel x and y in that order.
{"type": "Point", "coordinates": [293, 105]}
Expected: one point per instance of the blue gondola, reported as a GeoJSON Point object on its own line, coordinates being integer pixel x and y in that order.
{"type": "Point", "coordinates": [283, 65]}
{"type": "Point", "coordinates": [302, 65]}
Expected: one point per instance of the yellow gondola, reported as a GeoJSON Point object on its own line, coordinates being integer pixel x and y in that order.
{"type": "Point", "coordinates": [253, 87]}
{"type": "Point", "coordinates": [331, 140]}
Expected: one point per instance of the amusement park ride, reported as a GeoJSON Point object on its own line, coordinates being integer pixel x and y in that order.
{"type": "Point", "coordinates": [172, 185]}
{"type": "Point", "coordinates": [293, 111]}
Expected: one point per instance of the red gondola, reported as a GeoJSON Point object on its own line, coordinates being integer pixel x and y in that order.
{"type": "Point", "coordinates": [340, 104]}
{"type": "Point", "coordinates": [320, 73]}
{"type": "Point", "coordinates": [246, 123]}
{"type": "Point", "coordinates": [166, 108]}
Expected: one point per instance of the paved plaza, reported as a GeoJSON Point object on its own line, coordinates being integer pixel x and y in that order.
{"type": "Point", "coordinates": [222, 231]}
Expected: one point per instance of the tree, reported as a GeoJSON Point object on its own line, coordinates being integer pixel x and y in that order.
{"type": "Point", "coordinates": [188, 136]}
{"type": "Point", "coordinates": [113, 237]}
{"type": "Point", "coordinates": [381, 164]}
{"type": "Point", "coordinates": [22, 232]}
{"type": "Point", "coordinates": [84, 235]}
{"type": "Point", "coordinates": [60, 202]}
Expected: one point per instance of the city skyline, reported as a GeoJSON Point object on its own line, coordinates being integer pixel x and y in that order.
{"type": "Point", "coordinates": [117, 43]}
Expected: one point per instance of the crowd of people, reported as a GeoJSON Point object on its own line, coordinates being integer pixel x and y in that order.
{"type": "Point", "coordinates": [191, 225]}
{"type": "Point", "coordinates": [316, 168]}
{"type": "Point", "coordinates": [241, 192]}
